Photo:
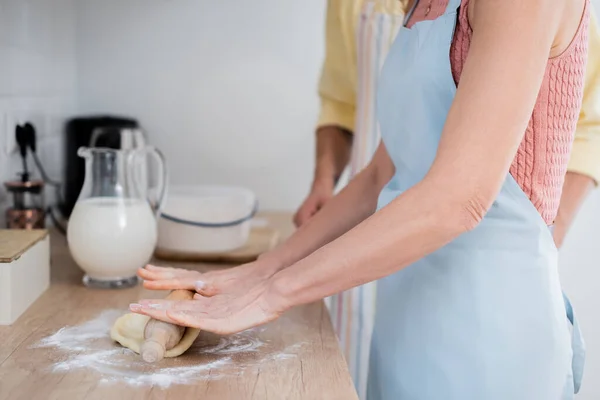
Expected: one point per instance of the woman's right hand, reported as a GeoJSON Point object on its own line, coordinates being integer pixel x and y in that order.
{"type": "Point", "coordinates": [231, 280]}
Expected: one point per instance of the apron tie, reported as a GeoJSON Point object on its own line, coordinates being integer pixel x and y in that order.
{"type": "Point", "coordinates": [577, 344]}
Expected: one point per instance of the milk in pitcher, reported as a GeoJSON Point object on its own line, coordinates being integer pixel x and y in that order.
{"type": "Point", "coordinates": [110, 238]}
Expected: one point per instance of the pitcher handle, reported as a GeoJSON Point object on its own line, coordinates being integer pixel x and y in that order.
{"type": "Point", "coordinates": [161, 186]}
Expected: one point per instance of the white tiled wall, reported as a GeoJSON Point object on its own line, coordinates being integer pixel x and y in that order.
{"type": "Point", "coordinates": [37, 78]}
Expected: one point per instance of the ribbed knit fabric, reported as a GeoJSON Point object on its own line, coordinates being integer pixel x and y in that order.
{"type": "Point", "coordinates": [541, 161]}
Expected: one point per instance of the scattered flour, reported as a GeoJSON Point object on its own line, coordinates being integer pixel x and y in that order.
{"type": "Point", "coordinates": [88, 346]}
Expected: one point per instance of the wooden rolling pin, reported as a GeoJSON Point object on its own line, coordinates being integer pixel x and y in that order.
{"type": "Point", "coordinates": [161, 336]}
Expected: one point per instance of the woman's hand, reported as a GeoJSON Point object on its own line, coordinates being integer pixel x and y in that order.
{"type": "Point", "coordinates": [166, 278]}
{"type": "Point", "coordinates": [223, 314]}
{"type": "Point", "coordinates": [209, 283]}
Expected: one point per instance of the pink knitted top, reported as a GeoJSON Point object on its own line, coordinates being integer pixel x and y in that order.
{"type": "Point", "coordinates": [541, 161]}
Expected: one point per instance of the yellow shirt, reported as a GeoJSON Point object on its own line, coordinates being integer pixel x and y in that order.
{"type": "Point", "coordinates": [337, 87]}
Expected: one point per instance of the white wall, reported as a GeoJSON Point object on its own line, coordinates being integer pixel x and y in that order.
{"type": "Point", "coordinates": [37, 79]}
{"type": "Point", "coordinates": [227, 89]}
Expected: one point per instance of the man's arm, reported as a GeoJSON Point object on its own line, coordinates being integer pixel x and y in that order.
{"type": "Point", "coordinates": [575, 190]}
{"type": "Point", "coordinates": [336, 120]}
{"type": "Point", "coordinates": [334, 145]}
{"type": "Point", "coordinates": [584, 166]}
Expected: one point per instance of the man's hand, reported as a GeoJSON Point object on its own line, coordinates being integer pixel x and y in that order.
{"type": "Point", "coordinates": [575, 190]}
{"type": "Point", "coordinates": [332, 155]}
{"type": "Point", "coordinates": [318, 196]}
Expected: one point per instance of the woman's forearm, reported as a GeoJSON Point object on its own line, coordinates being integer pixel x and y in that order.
{"type": "Point", "coordinates": [351, 206]}
{"type": "Point", "coordinates": [400, 234]}
{"type": "Point", "coordinates": [575, 190]}
{"type": "Point", "coordinates": [412, 226]}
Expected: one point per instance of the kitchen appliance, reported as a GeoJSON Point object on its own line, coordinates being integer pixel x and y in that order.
{"type": "Point", "coordinates": [96, 131]}
{"type": "Point", "coordinates": [206, 219]}
{"type": "Point", "coordinates": [112, 230]}
{"type": "Point", "coordinates": [27, 210]}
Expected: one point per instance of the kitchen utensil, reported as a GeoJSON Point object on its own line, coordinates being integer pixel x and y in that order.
{"type": "Point", "coordinates": [112, 231]}
{"type": "Point", "coordinates": [26, 136]}
{"type": "Point", "coordinates": [206, 219]}
{"type": "Point", "coordinates": [161, 336]}
{"type": "Point", "coordinates": [27, 210]}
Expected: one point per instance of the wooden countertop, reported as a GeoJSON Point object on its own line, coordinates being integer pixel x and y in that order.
{"type": "Point", "coordinates": [299, 359]}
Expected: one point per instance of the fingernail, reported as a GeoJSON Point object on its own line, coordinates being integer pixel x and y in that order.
{"type": "Point", "coordinates": [200, 285]}
{"type": "Point", "coordinates": [151, 306]}
{"type": "Point", "coordinates": [135, 307]}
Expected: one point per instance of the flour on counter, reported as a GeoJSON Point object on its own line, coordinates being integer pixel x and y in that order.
{"type": "Point", "coordinates": [88, 346]}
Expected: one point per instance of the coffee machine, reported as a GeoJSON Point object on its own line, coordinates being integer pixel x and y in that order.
{"type": "Point", "coordinates": [94, 131]}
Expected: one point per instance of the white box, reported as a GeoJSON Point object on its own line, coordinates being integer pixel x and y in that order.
{"type": "Point", "coordinates": [24, 271]}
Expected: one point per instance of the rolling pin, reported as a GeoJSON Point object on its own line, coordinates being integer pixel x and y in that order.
{"type": "Point", "coordinates": [161, 336]}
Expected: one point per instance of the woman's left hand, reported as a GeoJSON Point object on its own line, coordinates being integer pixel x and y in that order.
{"type": "Point", "coordinates": [222, 314]}
{"type": "Point", "coordinates": [225, 281]}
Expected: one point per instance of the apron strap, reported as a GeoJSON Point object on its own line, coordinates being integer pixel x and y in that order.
{"type": "Point", "coordinates": [452, 6]}
{"type": "Point", "coordinates": [577, 345]}
{"type": "Point", "coordinates": [410, 12]}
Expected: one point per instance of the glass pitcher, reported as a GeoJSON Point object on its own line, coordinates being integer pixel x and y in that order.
{"type": "Point", "coordinates": [113, 228]}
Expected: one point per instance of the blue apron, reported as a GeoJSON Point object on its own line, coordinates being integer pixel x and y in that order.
{"type": "Point", "coordinates": [483, 318]}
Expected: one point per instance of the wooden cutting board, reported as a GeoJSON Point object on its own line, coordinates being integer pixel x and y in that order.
{"type": "Point", "coordinates": [261, 240]}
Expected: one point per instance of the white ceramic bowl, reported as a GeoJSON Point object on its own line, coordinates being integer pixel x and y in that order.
{"type": "Point", "coordinates": [206, 219]}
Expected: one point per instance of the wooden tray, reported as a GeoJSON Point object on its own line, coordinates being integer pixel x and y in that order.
{"type": "Point", "coordinates": [261, 240]}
